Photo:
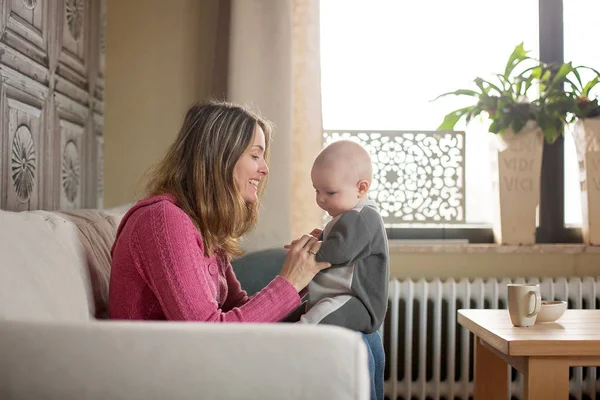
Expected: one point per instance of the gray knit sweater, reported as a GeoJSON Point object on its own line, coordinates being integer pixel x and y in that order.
{"type": "Point", "coordinates": [353, 292]}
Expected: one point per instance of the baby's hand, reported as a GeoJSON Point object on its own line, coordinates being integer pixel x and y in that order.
{"type": "Point", "coordinates": [316, 232]}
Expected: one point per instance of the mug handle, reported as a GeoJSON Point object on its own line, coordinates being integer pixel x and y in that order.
{"type": "Point", "coordinates": [538, 304]}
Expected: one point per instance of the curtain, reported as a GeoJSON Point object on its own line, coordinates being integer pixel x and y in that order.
{"type": "Point", "coordinates": [307, 134]}
{"type": "Point", "coordinates": [273, 65]}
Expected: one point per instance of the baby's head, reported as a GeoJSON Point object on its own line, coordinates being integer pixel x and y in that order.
{"type": "Point", "coordinates": [341, 176]}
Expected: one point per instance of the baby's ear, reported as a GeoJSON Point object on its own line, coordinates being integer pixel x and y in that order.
{"type": "Point", "coordinates": [363, 186]}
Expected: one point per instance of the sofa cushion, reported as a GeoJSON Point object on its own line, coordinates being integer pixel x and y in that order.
{"type": "Point", "coordinates": [43, 273]}
{"type": "Point", "coordinates": [255, 270]}
{"type": "Point", "coordinates": [97, 231]}
{"type": "Point", "coordinates": [118, 212]}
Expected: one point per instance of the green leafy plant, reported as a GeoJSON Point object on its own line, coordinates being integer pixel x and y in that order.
{"type": "Point", "coordinates": [553, 103]}
{"type": "Point", "coordinates": [581, 105]}
{"type": "Point", "coordinates": [506, 101]}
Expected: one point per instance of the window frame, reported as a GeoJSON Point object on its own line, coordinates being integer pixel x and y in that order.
{"type": "Point", "coordinates": [551, 227]}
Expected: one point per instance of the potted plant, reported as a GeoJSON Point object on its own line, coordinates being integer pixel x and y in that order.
{"type": "Point", "coordinates": [585, 113]}
{"type": "Point", "coordinates": [518, 127]}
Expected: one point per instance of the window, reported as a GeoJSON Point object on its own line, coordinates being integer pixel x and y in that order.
{"type": "Point", "coordinates": [580, 34]}
{"type": "Point", "coordinates": [383, 61]}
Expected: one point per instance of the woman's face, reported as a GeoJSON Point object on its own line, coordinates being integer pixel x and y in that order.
{"type": "Point", "coordinates": [251, 167]}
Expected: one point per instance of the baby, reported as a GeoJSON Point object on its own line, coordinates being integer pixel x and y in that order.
{"type": "Point", "coordinates": [353, 292]}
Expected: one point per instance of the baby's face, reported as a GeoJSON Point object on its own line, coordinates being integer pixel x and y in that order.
{"type": "Point", "coordinates": [335, 191]}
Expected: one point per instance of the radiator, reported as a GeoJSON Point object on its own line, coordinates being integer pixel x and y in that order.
{"type": "Point", "coordinates": [429, 356]}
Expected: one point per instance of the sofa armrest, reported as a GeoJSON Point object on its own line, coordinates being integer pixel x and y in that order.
{"type": "Point", "coordinates": [161, 360]}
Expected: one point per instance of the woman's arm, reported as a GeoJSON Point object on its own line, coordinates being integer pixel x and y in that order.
{"type": "Point", "coordinates": [236, 296]}
{"type": "Point", "coordinates": [169, 255]}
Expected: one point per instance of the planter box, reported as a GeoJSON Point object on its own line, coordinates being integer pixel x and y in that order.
{"type": "Point", "coordinates": [586, 134]}
{"type": "Point", "coordinates": [516, 172]}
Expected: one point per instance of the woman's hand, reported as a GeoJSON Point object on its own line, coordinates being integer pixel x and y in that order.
{"type": "Point", "coordinates": [300, 266]}
{"type": "Point", "coordinates": [315, 232]}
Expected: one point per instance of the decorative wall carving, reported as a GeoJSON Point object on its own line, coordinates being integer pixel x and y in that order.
{"type": "Point", "coordinates": [22, 146]}
{"type": "Point", "coordinates": [23, 163]}
{"type": "Point", "coordinates": [71, 172]}
{"type": "Point", "coordinates": [30, 4]}
{"type": "Point", "coordinates": [418, 177]}
{"type": "Point", "coordinates": [74, 16]}
{"type": "Point", "coordinates": [51, 72]}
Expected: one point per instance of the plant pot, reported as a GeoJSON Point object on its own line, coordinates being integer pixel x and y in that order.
{"type": "Point", "coordinates": [516, 172]}
{"type": "Point", "coordinates": [586, 134]}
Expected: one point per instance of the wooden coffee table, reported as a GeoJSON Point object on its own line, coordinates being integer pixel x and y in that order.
{"type": "Point", "coordinates": [543, 353]}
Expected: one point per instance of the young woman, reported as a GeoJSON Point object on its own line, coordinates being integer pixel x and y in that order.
{"type": "Point", "coordinates": [171, 257]}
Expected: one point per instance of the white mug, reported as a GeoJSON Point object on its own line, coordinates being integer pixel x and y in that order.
{"type": "Point", "coordinates": [524, 303]}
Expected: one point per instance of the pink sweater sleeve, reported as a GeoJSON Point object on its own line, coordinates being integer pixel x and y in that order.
{"type": "Point", "coordinates": [170, 258]}
{"type": "Point", "coordinates": [236, 296]}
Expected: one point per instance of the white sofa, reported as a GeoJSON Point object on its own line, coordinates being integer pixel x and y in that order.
{"type": "Point", "coordinates": [52, 346]}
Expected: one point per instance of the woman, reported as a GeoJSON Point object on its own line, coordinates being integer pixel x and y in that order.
{"type": "Point", "coordinates": [171, 258]}
{"type": "Point", "coordinates": [172, 251]}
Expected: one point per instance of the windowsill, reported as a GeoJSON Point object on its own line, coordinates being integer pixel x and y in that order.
{"type": "Point", "coordinates": [400, 246]}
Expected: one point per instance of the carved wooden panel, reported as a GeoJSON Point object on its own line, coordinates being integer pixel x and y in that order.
{"type": "Point", "coordinates": [73, 55]}
{"type": "Point", "coordinates": [22, 127]}
{"type": "Point", "coordinates": [71, 123]}
{"type": "Point", "coordinates": [51, 103]}
{"type": "Point", "coordinates": [71, 171]}
{"type": "Point", "coordinates": [100, 170]}
{"type": "Point", "coordinates": [25, 25]}
{"type": "Point", "coordinates": [101, 65]}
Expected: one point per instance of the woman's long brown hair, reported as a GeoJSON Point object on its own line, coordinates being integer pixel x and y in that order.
{"type": "Point", "coordinates": [198, 171]}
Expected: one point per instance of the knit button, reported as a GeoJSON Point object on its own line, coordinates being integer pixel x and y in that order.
{"type": "Point", "coordinates": [212, 269]}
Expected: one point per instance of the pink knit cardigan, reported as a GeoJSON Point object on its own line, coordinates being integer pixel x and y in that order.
{"type": "Point", "coordinates": [159, 272]}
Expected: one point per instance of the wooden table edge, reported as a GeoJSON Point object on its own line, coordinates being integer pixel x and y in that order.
{"type": "Point", "coordinates": [477, 330]}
